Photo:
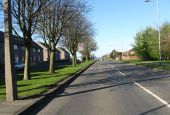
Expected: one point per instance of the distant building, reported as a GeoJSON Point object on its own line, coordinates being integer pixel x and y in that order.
{"type": "Point", "coordinates": [64, 54]}
{"type": "Point", "coordinates": [46, 52]}
{"type": "Point", "coordinates": [19, 50]}
{"type": "Point", "coordinates": [129, 55]}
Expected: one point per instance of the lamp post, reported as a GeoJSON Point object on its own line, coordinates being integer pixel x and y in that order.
{"type": "Point", "coordinates": [158, 26]}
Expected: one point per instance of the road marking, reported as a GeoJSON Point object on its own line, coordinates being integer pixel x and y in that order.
{"type": "Point", "coordinates": [117, 70]}
{"type": "Point", "coordinates": [154, 95]}
{"type": "Point", "coordinates": [148, 91]}
{"type": "Point", "coordinates": [121, 73]}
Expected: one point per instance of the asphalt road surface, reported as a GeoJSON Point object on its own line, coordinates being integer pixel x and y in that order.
{"type": "Point", "coordinates": [113, 88]}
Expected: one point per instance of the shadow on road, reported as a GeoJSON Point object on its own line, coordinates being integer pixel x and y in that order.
{"type": "Point", "coordinates": [61, 93]}
{"type": "Point", "coordinates": [107, 82]}
{"type": "Point", "coordinates": [152, 110]}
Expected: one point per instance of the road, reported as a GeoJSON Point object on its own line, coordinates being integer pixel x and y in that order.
{"type": "Point", "coordinates": [113, 88]}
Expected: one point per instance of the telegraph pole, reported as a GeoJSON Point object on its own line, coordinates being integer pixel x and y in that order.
{"type": "Point", "coordinates": [10, 74]}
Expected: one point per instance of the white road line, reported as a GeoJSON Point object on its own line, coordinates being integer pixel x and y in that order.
{"type": "Point", "coordinates": [148, 91]}
{"type": "Point", "coordinates": [117, 70]}
{"type": "Point", "coordinates": [154, 95]}
{"type": "Point", "coordinates": [122, 73]}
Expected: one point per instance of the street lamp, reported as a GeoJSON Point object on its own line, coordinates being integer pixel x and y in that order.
{"type": "Point", "coordinates": [158, 26]}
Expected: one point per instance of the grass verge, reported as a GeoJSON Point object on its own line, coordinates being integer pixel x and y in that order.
{"type": "Point", "coordinates": [163, 65]}
{"type": "Point", "coordinates": [42, 81]}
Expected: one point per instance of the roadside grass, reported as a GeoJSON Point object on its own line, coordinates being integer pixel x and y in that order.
{"type": "Point", "coordinates": [42, 81]}
{"type": "Point", "coordinates": [133, 61]}
{"type": "Point", "coordinates": [163, 65]}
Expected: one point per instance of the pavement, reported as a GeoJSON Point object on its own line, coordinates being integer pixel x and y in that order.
{"type": "Point", "coordinates": [110, 88]}
{"type": "Point", "coordinates": [11, 108]}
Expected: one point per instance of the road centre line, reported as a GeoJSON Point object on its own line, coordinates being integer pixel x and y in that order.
{"type": "Point", "coordinates": [146, 90]}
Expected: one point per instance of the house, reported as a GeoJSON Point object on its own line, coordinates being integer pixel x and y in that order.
{"type": "Point", "coordinates": [129, 55]}
{"type": "Point", "coordinates": [36, 53]}
{"type": "Point", "coordinates": [19, 50]}
{"type": "Point", "coordinates": [46, 52]}
{"type": "Point", "coordinates": [64, 54]}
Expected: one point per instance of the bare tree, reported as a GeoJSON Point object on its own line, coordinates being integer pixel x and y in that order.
{"type": "Point", "coordinates": [54, 18]}
{"type": "Point", "coordinates": [10, 75]}
{"type": "Point", "coordinates": [26, 13]}
{"type": "Point", "coordinates": [90, 45]}
{"type": "Point", "coordinates": [1, 5]}
{"type": "Point", "coordinates": [76, 32]}
{"type": "Point", "coordinates": [1, 11]}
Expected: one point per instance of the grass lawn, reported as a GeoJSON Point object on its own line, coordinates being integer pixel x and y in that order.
{"type": "Point", "coordinates": [41, 81]}
{"type": "Point", "coordinates": [165, 65]}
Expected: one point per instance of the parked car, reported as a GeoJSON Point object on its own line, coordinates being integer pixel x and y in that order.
{"type": "Point", "coordinates": [19, 65]}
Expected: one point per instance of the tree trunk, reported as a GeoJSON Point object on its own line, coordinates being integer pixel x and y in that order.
{"type": "Point", "coordinates": [10, 74]}
{"type": "Point", "coordinates": [27, 64]}
{"type": "Point", "coordinates": [87, 59]}
{"type": "Point", "coordinates": [51, 66]}
{"type": "Point", "coordinates": [74, 60]}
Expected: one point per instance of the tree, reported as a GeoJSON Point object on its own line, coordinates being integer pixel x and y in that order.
{"type": "Point", "coordinates": [146, 44]}
{"type": "Point", "coordinates": [1, 5]}
{"type": "Point", "coordinates": [89, 46]}
{"type": "Point", "coordinates": [76, 32]}
{"type": "Point", "coordinates": [10, 75]}
{"type": "Point", "coordinates": [165, 40]}
{"type": "Point", "coordinates": [26, 13]}
{"type": "Point", "coordinates": [115, 54]}
{"type": "Point", "coordinates": [1, 10]}
{"type": "Point", "coordinates": [54, 18]}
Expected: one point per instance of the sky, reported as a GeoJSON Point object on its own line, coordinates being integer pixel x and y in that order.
{"type": "Point", "coordinates": [117, 21]}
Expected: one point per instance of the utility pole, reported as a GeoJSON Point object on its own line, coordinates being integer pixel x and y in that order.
{"type": "Point", "coordinates": [158, 26]}
{"type": "Point", "coordinates": [159, 34]}
{"type": "Point", "coordinates": [10, 74]}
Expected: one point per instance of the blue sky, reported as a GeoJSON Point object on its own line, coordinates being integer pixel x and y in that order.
{"type": "Point", "coordinates": [117, 21]}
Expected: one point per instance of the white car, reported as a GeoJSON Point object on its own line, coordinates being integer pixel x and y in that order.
{"type": "Point", "coordinates": [19, 65]}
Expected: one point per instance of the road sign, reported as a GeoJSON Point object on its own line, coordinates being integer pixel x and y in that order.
{"type": "Point", "coordinates": [81, 46]}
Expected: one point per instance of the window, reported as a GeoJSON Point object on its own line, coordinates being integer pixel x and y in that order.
{"type": "Point", "coordinates": [34, 59]}
{"type": "Point", "coordinates": [33, 49]}
{"type": "Point", "coordinates": [23, 58]}
{"type": "Point", "coordinates": [38, 50]}
{"type": "Point", "coordinates": [16, 58]}
{"type": "Point", "coordinates": [39, 59]}
{"type": "Point", "coordinates": [15, 47]}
